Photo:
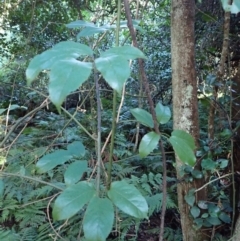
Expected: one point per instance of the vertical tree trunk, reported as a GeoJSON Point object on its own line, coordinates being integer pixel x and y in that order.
{"type": "Point", "coordinates": [185, 107]}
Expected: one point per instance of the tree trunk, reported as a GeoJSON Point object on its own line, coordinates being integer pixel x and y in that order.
{"type": "Point", "coordinates": [185, 107]}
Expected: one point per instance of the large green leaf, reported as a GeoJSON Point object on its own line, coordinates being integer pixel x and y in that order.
{"type": "Point", "coordinates": [144, 117]}
{"type": "Point", "coordinates": [148, 143]}
{"type": "Point", "coordinates": [89, 31]}
{"type": "Point", "coordinates": [115, 70]}
{"type": "Point", "coordinates": [183, 145]}
{"type": "Point", "coordinates": [128, 199]}
{"type": "Point", "coordinates": [58, 157]}
{"type": "Point", "coordinates": [61, 51]}
{"type": "Point", "coordinates": [51, 160]}
{"type": "Point", "coordinates": [163, 113]}
{"type": "Point", "coordinates": [127, 52]}
{"type": "Point", "coordinates": [79, 24]}
{"type": "Point", "coordinates": [74, 172]}
{"type": "Point", "coordinates": [98, 219]}
{"type": "Point", "coordinates": [76, 148]}
{"type": "Point", "coordinates": [72, 200]}
{"type": "Point", "coordinates": [66, 76]}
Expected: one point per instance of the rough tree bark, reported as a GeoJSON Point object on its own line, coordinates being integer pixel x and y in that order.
{"type": "Point", "coordinates": [185, 109]}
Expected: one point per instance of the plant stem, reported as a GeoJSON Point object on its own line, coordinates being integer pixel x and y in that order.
{"type": "Point", "coordinates": [114, 115]}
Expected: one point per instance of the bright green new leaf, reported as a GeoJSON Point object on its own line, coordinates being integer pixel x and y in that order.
{"type": "Point", "coordinates": [148, 143]}
{"type": "Point", "coordinates": [51, 160]}
{"type": "Point", "coordinates": [76, 148]}
{"type": "Point", "coordinates": [74, 172]}
{"type": "Point", "coordinates": [127, 52]}
{"type": "Point", "coordinates": [128, 199]}
{"type": "Point", "coordinates": [89, 31]}
{"type": "Point", "coordinates": [61, 51]}
{"type": "Point", "coordinates": [115, 70]}
{"type": "Point", "coordinates": [183, 145]}
{"type": "Point", "coordinates": [66, 76]}
{"type": "Point", "coordinates": [163, 113]}
{"type": "Point", "coordinates": [195, 211]}
{"type": "Point", "coordinates": [79, 24]}
{"type": "Point", "coordinates": [98, 219]}
{"type": "Point", "coordinates": [72, 200]}
{"type": "Point", "coordinates": [142, 116]}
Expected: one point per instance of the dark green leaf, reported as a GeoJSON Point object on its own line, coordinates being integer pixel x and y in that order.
{"type": "Point", "coordinates": [208, 164]}
{"type": "Point", "coordinates": [163, 113]}
{"type": "Point", "coordinates": [128, 199]}
{"type": "Point", "coordinates": [195, 211]}
{"type": "Point", "coordinates": [197, 174]}
{"type": "Point", "coordinates": [72, 200]}
{"type": "Point", "coordinates": [224, 217]}
{"type": "Point", "coordinates": [98, 219]}
{"type": "Point", "coordinates": [190, 197]}
{"type": "Point", "coordinates": [148, 143]}
{"type": "Point", "coordinates": [74, 172]}
{"type": "Point", "coordinates": [115, 70]}
{"type": "Point", "coordinates": [183, 145]}
{"type": "Point", "coordinates": [214, 220]}
{"type": "Point", "coordinates": [142, 116]}
{"type": "Point", "coordinates": [65, 77]}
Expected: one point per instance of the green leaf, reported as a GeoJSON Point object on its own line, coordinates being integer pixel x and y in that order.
{"type": "Point", "coordinates": [183, 145]}
{"type": "Point", "coordinates": [208, 164]}
{"type": "Point", "coordinates": [72, 200]}
{"type": "Point", "coordinates": [126, 52]}
{"type": "Point", "coordinates": [148, 143]}
{"type": "Point", "coordinates": [202, 204]}
{"type": "Point", "coordinates": [128, 199]}
{"type": "Point", "coordinates": [65, 77]}
{"type": "Point", "coordinates": [190, 197]}
{"type": "Point", "coordinates": [197, 174]}
{"type": "Point", "coordinates": [58, 157]}
{"type": "Point", "coordinates": [79, 24]}
{"type": "Point", "coordinates": [142, 116]}
{"type": "Point", "coordinates": [2, 186]}
{"type": "Point", "coordinates": [163, 113]}
{"type": "Point", "coordinates": [76, 148]}
{"type": "Point", "coordinates": [224, 217]}
{"type": "Point", "coordinates": [98, 219]}
{"type": "Point", "coordinates": [195, 211]}
{"type": "Point", "coordinates": [214, 220]}
{"type": "Point", "coordinates": [89, 31]}
{"type": "Point", "coordinates": [74, 172]}
{"type": "Point", "coordinates": [49, 161]}
{"type": "Point", "coordinates": [61, 51]}
{"type": "Point", "coordinates": [222, 163]}
{"type": "Point", "coordinates": [115, 70]}
{"type": "Point", "coordinates": [213, 209]}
